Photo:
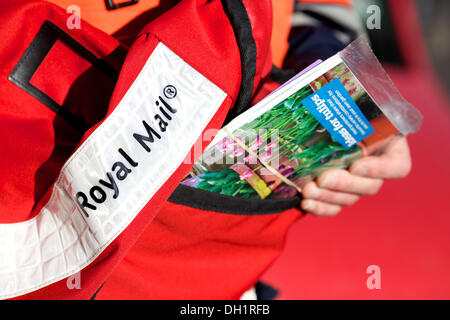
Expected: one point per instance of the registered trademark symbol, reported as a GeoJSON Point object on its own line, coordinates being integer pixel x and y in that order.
{"type": "Point", "coordinates": [170, 91]}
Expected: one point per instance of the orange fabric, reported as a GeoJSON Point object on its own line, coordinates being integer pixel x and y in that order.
{"type": "Point", "coordinates": [95, 13]}
{"type": "Point", "coordinates": [109, 21]}
{"type": "Point", "coordinates": [282, 15]}
{"type": "Point", "coordinates": [341, 2]}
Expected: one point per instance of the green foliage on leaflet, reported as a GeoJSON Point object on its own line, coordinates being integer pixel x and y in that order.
{"type": "Point", "coordinates": [227, 182]}
{"type": "Point", "coordinates": [300, 138]}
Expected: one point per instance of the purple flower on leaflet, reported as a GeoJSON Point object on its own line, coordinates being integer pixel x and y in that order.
{"type": "Point", "coordinates": [247, 174]}
{"type": "Point", "coordinates": [270, 146]}
{"type": "Point", "coordinates": [287, 172]}
{"type": "Point", "coordinates": [256, 144]}
{"type": "Point", "coordinates": [334, 154]}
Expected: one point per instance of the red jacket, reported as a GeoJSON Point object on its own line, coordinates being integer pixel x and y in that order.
{"type": "Point", "coordinates": [97, 136]}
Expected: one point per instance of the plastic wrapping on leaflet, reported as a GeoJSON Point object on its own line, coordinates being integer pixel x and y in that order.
{"type": "Point", "coordinates": [361, 60]}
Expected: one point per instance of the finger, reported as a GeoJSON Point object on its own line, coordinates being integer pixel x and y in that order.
{"type": "Point", "coordinates": [319, 208]}
{"type": "Point", "coordinates": [395, 162]}
{"type": "Point", "coordinates": [344, 181]}
{"type": "Point", "coordinates": [312, 191]}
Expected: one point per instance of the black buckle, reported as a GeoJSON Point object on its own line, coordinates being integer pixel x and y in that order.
{"type": "Point", "coordinates": [110, 5]}
{"type": "Point", "coordinates": [35, 54]}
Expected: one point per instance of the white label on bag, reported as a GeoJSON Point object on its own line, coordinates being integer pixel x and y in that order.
{"type": "Point", "coordinates": [111, 176]}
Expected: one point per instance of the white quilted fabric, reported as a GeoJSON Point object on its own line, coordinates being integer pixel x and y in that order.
{"type": "Point", "coordinates": [60, 240]}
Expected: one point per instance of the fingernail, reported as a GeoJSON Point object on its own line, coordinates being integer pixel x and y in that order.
{"type": "Point", "coordinates": [315, 192]}
{"type": "Point", "coordinates": [360, 171]}
{"type": "Point", "coordinates": [311, 190]}
{"type": "Point", "coordinates": [308, 205]}
{"type": "Point", "coordinates": [329, 182]}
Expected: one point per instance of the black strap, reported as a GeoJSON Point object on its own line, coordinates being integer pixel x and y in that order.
{"type": "Point", "coordinates": [240, 22]}
{"type": "Point", "coordinates": [35, 54]}
{"type": "Point", "coordinates": [281, 75]}
{"type": "Point", "coordinates": [96, 292]}
{"type": "Point", "coordinates": [213, 201]}
{"type": "Point", "coordinates": [111, 5]}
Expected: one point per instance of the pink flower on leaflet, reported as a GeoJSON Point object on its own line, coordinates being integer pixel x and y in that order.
{"type": "Point", "coordinates": [247, 174]}
{"type": "Point", "coordinates": [266, 156]}
{"type": "Point", "coordinates": [270, 146]}
{"type": "Point", "coordinates": [226, 145]}
{"type": "Point", "coordinates": [238, 152]}
{"type": "Point", "coordinates": [256, 144]}
{"type": "Point", "coordinates": [223, 149]}
{"type": "Point", "coordinates": [229, 142]}
{"type": "Point", "coordinates": [250, 159]}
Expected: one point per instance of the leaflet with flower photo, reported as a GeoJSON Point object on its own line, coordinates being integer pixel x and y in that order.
{"type": "Point", "coordinates": [322, 119]}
